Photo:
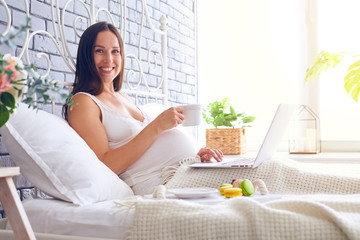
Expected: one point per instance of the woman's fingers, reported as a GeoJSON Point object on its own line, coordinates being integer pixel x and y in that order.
{"type": "Point", "coordinates": [206, 154]}
{"type": "Point", "coordinates": [220, 154]}
{"type": "Point", "coordinates": [180, 114]}
{"type": "Point", "coordinates": [180, 109]}
{"type": "Point", "coordinates": [170, 118]}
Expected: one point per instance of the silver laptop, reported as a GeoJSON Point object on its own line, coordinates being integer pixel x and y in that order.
{"type": "Point", "coordinates": [271, 141]}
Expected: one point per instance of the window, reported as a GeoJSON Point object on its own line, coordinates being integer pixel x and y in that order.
{"type": "Point", "coordinates": [256, 54]}
{"type": "Point", "coordinates": [250, 52]}
{"type": "Point", "coordinates": [338, 24]}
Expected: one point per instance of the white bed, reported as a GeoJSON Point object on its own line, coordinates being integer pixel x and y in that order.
{"type": "Point", "coordinates": [91, 201]}
{"type": "Point", "coordinates": [63, 218]}
{"type": "Point", "coordinates": [102, 219]}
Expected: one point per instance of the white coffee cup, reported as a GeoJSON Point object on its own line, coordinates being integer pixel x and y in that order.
{"type": "Point", "coordinates": [192, 115]}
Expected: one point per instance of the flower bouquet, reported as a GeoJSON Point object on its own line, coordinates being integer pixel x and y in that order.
{"type": "Point", "coordinates": [21, 83]}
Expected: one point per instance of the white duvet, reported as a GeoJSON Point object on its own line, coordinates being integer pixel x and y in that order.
{"type": "Point", "coordinates": [59, 217]}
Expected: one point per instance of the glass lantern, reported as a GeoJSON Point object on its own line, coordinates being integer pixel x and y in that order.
{"type": "Point", "coordinates": [304, 132]}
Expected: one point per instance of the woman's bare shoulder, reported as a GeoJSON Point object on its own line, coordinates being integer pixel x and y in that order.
{"type": "Point", "coordinates": [82, 100]}
{"type": "Point", "coordinates": [82, 97]}
{"type": "Point", "coordinates": [83, 104]}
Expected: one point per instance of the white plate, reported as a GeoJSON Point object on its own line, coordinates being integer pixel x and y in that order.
{"type": "Point", "coordinates": [193, 192]}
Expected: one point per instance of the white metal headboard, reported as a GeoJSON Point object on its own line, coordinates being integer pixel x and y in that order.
{"type": "Point", "coordinates": [136, 82]}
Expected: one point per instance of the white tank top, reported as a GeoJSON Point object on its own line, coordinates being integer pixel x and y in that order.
{"type": "Point", "coordinates": [168, 149]}
{"type": "Point", "coordinates": [119, 129]}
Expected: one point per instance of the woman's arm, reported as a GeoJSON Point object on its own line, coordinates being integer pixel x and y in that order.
{"type": "Point", "coordinates": [85, 118]}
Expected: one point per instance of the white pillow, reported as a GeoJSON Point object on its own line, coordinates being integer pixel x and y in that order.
{"type": "Point", "coordinates": [53, 157]}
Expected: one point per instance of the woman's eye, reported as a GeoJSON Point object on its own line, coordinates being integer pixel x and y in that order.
{"type": "Point", "coordinates": [98, 50]}
{"type": "Point", "coordinates": [116, 51]}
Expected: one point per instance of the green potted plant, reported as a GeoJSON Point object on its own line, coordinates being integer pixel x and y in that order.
{"type": "Point", "coordinates": [228, 133]}
{"type": "Point", "coordinates": [325, 60]}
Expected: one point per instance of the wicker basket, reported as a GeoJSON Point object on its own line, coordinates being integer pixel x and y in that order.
{"type": "Point", "coordinates": [231, 141]}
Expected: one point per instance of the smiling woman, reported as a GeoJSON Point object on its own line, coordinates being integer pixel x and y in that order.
{"type": "Point", "coordinates": [98, 81]}
{"type": "Point", "coordinates": [117, 130]}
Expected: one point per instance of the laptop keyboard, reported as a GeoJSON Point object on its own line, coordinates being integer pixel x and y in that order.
{"type": "Point", "coordinates": [241, 160]}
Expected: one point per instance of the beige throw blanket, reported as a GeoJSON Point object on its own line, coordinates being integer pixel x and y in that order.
{"type": "Point", "coordinates": [315, 217]}
{"type": "Point", "coordinates": [306, 215]}
{"type": "Point", "coordinates": [281, 176]}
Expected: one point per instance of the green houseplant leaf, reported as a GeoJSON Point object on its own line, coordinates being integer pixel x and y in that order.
{"type": "Point", "coordinates": [325, 60]}
{"type": "Point", "coordinates": [248, 119]}
{"type": "Point", "coordinates": [220, 113]}
{"type": "Point", "coordinates": [352, 80]}
{"type": "Point", "coordinates": [8, 100]}
{"type": "Point", "coordinates": [4, 115]}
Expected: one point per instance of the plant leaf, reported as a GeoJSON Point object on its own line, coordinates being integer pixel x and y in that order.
{"type": "Point", "coordinates": [216, 113]}
{"type": "Point", "coordinates": [4, 115]}
{"type": "Point", "coordinates": [352, 81]}
{"type": "Point", "coordinates": [323, 61]}
{"type": "Point", "coordinates": [232, 111]}
{"type": "Point", "coordinates": [218, 122]}
{"type": "Point", "coordinates": [248, 119]}
{"type": "Point", "coordinates": [7, 99]}
{"type": "Point", "coordinates": [354, 65]}
{"type": "Point", "coordinates": [230, 117]}
{"type": "Point", "coordinates": [355, 93]}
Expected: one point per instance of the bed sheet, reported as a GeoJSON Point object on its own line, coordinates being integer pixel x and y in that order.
{"type": "Point", "coordinates": [60, 217]}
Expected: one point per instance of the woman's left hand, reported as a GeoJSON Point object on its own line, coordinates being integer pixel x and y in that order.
{"type": "Point", "coordinates": [206, 154]}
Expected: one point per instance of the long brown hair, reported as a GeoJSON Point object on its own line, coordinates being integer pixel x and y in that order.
{"type": "Point", "coordinates": [87, 78]}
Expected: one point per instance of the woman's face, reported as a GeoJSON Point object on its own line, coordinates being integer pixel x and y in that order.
{"type": "Point", "coordinates": [107, 57]}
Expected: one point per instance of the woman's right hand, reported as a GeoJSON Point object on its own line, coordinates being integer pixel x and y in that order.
{"type": "Point", "coordinates": [170, 118]}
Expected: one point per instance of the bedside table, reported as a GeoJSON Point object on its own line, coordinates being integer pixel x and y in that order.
{"type": "Point", "coordinates": [12, 204]}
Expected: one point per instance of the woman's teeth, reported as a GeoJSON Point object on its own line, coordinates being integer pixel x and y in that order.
{"type": "Point", "coordinates": [107, 69]}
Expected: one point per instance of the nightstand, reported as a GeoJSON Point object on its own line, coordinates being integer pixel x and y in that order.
{"type": "Point", "coordinates": [12, 204]}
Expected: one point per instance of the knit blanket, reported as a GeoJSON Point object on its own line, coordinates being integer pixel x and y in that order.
{"type": "Point", "coordinates": [301, 213]}
{"type": "Point", "coordinates": [281, 176]}
{"type": "Point", "coordinates": [301, 217]}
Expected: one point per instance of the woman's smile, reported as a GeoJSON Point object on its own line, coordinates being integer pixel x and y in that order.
{"type": "Point", "coordinates": [107, 69]}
